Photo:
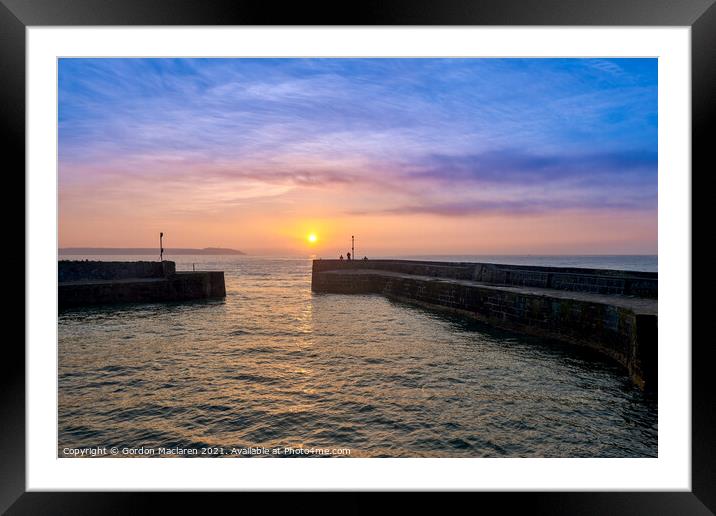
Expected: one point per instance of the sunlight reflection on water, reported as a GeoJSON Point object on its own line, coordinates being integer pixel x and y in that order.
{"type": "Point", "coordinates": [276, 365]}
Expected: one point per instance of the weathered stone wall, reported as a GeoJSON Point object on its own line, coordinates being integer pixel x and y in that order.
{"type": "Point", "coordinates": [626, 335]}
{"type": "Point", "coordinates": [181, 286]}
{"type": "Point", "coordinates": [422, 268]}
{"type": "Point", "coordinates": [598, 281]}
{"type": "Point", "coordinates": [206, 284]}
{"type": "Point", "coordinates": [84, 270]}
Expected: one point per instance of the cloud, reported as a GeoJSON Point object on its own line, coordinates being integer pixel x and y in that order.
{"type": "Point", "coordinates": [517, 166]}
{"type": "Point", "coordinates": [608, 66]}
{"type": "Point", "coordinates": [517, 207]}
{"type": "Point", "coordinates": [378, 108]}
{"type": "Point", "coordinates": [445, 137]}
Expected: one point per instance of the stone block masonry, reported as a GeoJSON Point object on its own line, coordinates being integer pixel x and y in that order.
{"type": "Point", "coordinates": [83, 283]}
{"type": "Point", "coordinates": [613, 312]}
{"type": "Point", "coordinates": [84, 270]}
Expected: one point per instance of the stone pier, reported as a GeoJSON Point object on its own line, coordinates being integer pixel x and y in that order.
{"type": "Point", "coordinates": [83, 283]}
{"type": "Point", "coordinates": [613, 312]}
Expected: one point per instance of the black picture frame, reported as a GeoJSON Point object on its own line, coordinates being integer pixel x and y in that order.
{"type": "Point", "coordinates": [700, 15]}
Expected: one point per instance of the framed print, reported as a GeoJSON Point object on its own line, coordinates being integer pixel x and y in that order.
{"type": "Point", "coordinates": [413, 249]}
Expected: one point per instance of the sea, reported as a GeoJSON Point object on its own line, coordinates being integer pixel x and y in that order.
{"type": "Point", "coordinates": [275, 370]}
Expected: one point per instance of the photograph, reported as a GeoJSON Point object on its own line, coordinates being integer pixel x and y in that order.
{"type": "Point", "coordinates": [345, 257]}
{"type": "Point", "coordinates": [406, 247]}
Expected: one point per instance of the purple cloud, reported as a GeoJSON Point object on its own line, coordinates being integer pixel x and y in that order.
{"type": "Point", "coordinates": [516, 166]}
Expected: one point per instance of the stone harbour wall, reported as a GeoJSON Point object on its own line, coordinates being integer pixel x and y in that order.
{"type": "Point", "coordinates": [622, 332]}
{"type": "Point", "coordinates": [598, 281]}
{"type": "Point", "coordinates": [100, 283]}
{"type": "Point", "coordinates": [83, 270]}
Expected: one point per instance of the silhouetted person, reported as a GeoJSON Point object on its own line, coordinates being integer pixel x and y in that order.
{"type": "Point", "coordinates": [349, 256]}
{"type": "Point", "coordinates": [365, 257]}
{"type": "Point", "coordinates": [341, 257]}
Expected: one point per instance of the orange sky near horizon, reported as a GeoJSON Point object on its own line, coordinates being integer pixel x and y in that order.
{"type": "Point", "coordinates": [384, 235]}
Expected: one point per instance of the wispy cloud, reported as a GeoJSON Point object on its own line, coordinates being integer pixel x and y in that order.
{"type": "Point", "coordinates": [517, 207]}
{"type": "Point", "coordinates": [443, 137]}
{"type": "Point", "coordinates": [517, 166]}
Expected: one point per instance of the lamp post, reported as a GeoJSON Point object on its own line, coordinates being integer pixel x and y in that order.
{"type": "Point", "coordinates": [161, 248]}
{"type": "Point", "coordinates": [353, 247]}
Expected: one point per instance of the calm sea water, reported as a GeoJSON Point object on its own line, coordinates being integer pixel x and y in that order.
{"type": "Point", "coordinates": [276, 366]}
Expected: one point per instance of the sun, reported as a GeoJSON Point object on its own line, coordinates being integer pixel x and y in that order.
{"type": "Point", "coordinates": [312, 238]}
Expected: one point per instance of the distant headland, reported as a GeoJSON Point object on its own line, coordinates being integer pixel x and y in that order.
{"type": "Point", "coordinates": [146, 251]}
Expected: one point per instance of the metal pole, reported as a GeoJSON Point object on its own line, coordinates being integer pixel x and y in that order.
{"type": "Point", "coordinates": [353, 247]}
{"type": "Point", "coordinates": [161, 248]}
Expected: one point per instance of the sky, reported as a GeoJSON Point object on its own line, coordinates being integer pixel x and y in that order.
{"type": "Point", "coordinates": [412, 156]}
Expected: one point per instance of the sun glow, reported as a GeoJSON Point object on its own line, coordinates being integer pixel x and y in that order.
{"type": "Point", "coordinates": [312, 238]}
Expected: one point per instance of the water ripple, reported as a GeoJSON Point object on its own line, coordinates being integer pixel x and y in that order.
{"type": "Point", "coordinates": [274, 365]}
